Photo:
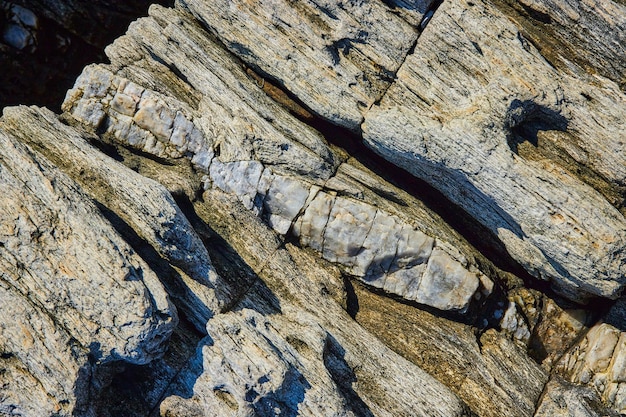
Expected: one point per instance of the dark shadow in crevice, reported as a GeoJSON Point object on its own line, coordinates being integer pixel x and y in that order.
{"type": "Point", "coordinates": [352, 302]}
{"type": "Point", "coordinates": [229, 264]}
{"type": "Point", "coordinates": [182, 296]}
{"type": "Point", "coordinates": [412, 5]}
{"type": "Point", "coordinates": [344, 376]}
{"type": "Point", "coordinates": [283, 401]}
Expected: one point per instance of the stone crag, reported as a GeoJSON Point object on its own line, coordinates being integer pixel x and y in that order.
{"type": "Point", "coordinates": [191, 237]}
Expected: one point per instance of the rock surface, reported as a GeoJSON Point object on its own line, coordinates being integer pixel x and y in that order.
{"type": "Point", "coordinates": [453, 116]}
{"type": "Point", "coordinates": [209, 228]}
{"type": "Point", "coordinates": [337, 57]}
{"type": "Point", "coordinates": [74, 294]}
{"type": "Point", "coordinates": [144, 205]}
{"type": "Point", "coordinates": [278, 167]}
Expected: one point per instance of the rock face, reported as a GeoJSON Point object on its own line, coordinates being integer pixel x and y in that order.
{"type": "Point", "coordinates": [455, 117]}
{"type": "Point", "coordinates": [319, 208]}
{"type": "Point", "coordinates": [338, 58]}
{"type": "Point", "coordinates": [74, 294]}
{"type": "Point", "coordinates": [144, 205]}
{"type": "Point", "coordinates": [278, 167]}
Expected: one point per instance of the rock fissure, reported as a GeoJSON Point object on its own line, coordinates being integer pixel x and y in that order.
{"type": "Point", "coordinates": [343, 173]}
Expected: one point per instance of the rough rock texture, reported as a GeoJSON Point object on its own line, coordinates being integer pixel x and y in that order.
{"type": "Point", "coordinates": [74, 294]}
{"type": "Point", "coordinates": [455, 117]}
{"type": "Point", "coordinates": [599, 360]}
{"type": "Point", "coordinates": [143, 204]}
{"type": "Point", "coordinates": [293, 288]}
{"type": "Point", "coordinates": [277, 166]}
{"type": "Point", "coordinates": [459, 111]}
{"type": "Point", "coordinates": [204, 230]}
{"type": "Point", "coordinates": [490, 372]}
{"type": "Point", "coordinates": [337, 57]}
{"type": "Point", "coordinates": [596, 47]}
{"type": "Point", "coordinates": [561, 399]}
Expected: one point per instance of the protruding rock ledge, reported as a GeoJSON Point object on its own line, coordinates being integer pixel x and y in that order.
{"type": "Point", "coordinates": [338, 58]}
{"type": "Point", "coordinates": [452, 117]}
{"type": "Point", "coordinates": [73, 294]}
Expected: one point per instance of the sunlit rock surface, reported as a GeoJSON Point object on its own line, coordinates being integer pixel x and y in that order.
{"type": "Point", "coordinates": [319, 208]}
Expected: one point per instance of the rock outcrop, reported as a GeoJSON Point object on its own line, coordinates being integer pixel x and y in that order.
{"type": "Point", "coordinates": [456, 116]}
{"type": "Point", "coordinates": [319, 208]}
{"type": "Point", "coordinates": [74, 294]}
{"type": "Point", "coordinates": [277, 166]}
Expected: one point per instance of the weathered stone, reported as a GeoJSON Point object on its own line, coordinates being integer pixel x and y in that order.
{"type": "Point", "coordinates": [561, 399]}
{"type": "Point", "coordinates": [599, 361]}
{"type": "Point", "coordinates": [451, 118]}
{"type": "Point", "coordinates": [597, 46]}
{"type": "Point", "coordinates": [144, 205]}
{"type": "Point", "coordinates": [76, 293]}
{"type": "Point", "coordinates": [338, 58]}
{"type": "Point", "coordinates": [284, 188]}
{"type": "Point", "coordinates": [558, 329]}
{"type": "Point", "coordinates": [493, 375]}
{"type": "Point", "coordinates": [296, 345]}
{"type": "Point", "coordinates": [248, 367]}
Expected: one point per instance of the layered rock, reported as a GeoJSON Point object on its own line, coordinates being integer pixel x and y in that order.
{"type": "Point", "coordinates": [458, 113]}
{"type": "Point", "coordinates": [76, 293]}
{"type": "Point", "coordinates": [141, 204]}
{"type": "Point", "coordinates": [598, 45]}
{"type": "Point", "coordinates": [451, 118]}
{"type": "Point", "coordinates": [561, 399]}
{"type": "Point", "coordinates": [269, 222]}
{"type": "Point", "coordinates": [260, 355]}
{"type": "Point", "coordinates": [599, 361]}
{"type": "Point", "coordinates": [338, 58]}
{"type": "Point", "coordinates": [275, 165]}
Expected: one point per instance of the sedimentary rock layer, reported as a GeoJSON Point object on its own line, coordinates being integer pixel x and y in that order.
{"type": "Point", "coordinates": [74, 294]}
{"type": "Point", "coordinates": [277, 166]}
{"type": "Point", "coordinates": [453, 116]}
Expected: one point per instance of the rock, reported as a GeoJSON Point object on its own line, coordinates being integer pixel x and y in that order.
{"type": "Point", "coordinates": [451, 119]}
{"type": "Point", "coordinates": [288, 342]}
{"type": "Point", "coordinates": [144, 205]}
{"type": "Point", "coordinates": [599, 361]}
{"type": "Point", "coordinates": [337, 58]}
{"type": "Point", "coordinates": [288, 377]}
{"type": "Point", "coordinates": [287, 188]}
{"type": "Point", "coordinates": [78, 296]}
{"type": "Point", "coordinates": [307, 283]}
{"type": "Point", "coordinates": [20, 32]}
{"type": "Point", "coordinates": [598, 47]}
{"type": "Point", "coordinates": [556, 332]}
{"type": "Point", "coordinates": [481, 370]}
{"type": "Point", "coordinates": [561, 399]}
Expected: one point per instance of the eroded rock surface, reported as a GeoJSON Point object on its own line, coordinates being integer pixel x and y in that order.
{"type": "Point", "coordinates": [338, 58]}
{"type": "Point", "coordinates": [311, 276]}
{"type": "Point", "coordinates": [74, 294]}
{"type": "Point", "coordinates": [278, 167]}
{"type": "Point", "coordinates": [453, 116]}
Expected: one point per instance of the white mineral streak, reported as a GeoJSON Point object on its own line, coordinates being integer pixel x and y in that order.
{"type": "Point", "coordinates": [284, 188]}
{"type": "Point", "coordinates": [448, 119]}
